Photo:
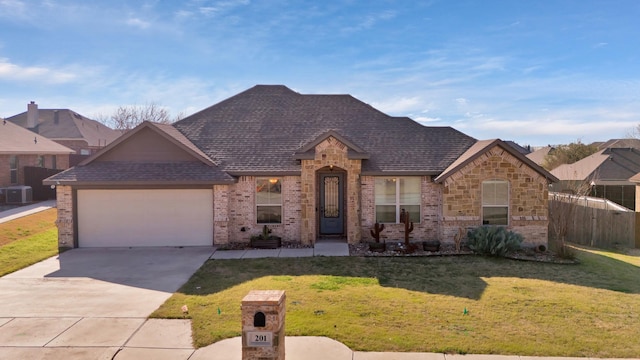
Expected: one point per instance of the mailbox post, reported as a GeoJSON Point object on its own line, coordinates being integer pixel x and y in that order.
{"type": "Point", "coordinates": [263, 314]}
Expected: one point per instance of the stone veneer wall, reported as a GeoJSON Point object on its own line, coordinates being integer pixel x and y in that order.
{"type": "Point", "coordinates": [427, 229]}
{"type": "Point", "coordinates": [528, 199]}
{"type": "Point", "coordinates": [64, 199]}
{"type": "Point", "coordinates": [234, 209]}
{"type": "Point", "coordinates": [330, 152]}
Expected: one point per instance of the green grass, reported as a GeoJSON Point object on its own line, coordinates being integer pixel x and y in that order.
{"type": "Point", "coordinates": [418, 304]}
{"type": "Point", "coordinates": [28, 240]}
{"type": "Point", "coordinates": [27, 251]}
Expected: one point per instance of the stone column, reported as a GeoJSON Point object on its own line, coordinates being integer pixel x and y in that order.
{"type": "Point", "coordinates": [64, 196]}
{"type": "Point", "coordinates": [263, 315]}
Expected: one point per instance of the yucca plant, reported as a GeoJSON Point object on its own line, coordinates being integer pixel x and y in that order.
{"type": "Point", "coordinates": [493, 240]}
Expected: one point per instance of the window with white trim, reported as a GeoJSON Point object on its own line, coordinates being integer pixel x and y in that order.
{"type": "Point", "coordinates": [269, 200]}
{"type": "Point", "coordinates": [495, 202]}
{"type": "Point", "coordinates": [394, 194]}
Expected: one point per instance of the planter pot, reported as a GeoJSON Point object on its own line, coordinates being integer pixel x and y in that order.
{"type": "Point", "coordinates": [432, 246]}
{"type": "Point", "coordinates": [377, 247]}
{"type": "Point", "coordinates": [273, 242]}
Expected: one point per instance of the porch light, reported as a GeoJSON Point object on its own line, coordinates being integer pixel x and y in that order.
{"type": "Point", "coordinates": [273, 181]}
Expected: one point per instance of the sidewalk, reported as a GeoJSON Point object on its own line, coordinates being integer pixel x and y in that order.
{"type": "Point", "coordinates": [21, 211]}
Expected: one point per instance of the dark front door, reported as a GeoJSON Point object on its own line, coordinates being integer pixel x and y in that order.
{"type": "Point", "coordinates": [331, 203]}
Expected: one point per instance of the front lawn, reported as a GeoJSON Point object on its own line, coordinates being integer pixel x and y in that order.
{"type": "Point", "coordinates": [463, 304]}
{"type": "Point", "coordinates": [27, 240]}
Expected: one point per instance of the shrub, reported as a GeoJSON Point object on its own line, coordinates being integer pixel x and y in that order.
{"type": "Point", "coordinates": [493, 240]}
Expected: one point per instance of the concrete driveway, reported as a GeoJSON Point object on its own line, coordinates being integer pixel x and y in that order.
{"type": "Point", "coordinates": [94, 300]}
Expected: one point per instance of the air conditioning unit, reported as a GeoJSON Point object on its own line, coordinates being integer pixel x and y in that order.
{"type": "Point", "coordinates": [19, 194]}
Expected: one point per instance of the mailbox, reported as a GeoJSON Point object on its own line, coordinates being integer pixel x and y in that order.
{"type": "Point", "coordinates": [263, 315]}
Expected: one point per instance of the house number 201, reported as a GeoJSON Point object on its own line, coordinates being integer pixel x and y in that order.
{"type": "Point", "coordinates": [259, 338]}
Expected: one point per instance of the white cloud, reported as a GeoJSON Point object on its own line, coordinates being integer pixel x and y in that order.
{"type": "Point", "coordinates": [139, 23]}
{"type": "Point", "coordinates": [369, 21]}
{"type": "Point", "coordinates": [10, 71]}
{"type": "Point", "coordinates": [12, 8]}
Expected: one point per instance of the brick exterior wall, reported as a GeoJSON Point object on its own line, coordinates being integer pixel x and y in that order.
{"type": "Point", "coordinates": [427, 229]}
{"type": "Point", "coordinates": [62, 162]}
{"type": "Point", "coordinates": [528, 198]}
{"type": "Point", "coordinates": [235, 211]}
{"type": "Point", "coordinates": [445, 207]}
{"type": "Point", "coordinates": [77, 145]}
{"type": "Point", "coordinates": [64, 199]}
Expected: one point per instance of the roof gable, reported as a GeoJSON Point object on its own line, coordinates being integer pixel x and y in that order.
{"type": "Point", "coordinates": [481, 147]}
{"type": "Point", "coordinates": [18, 140]}
{"type": "Point", "coordinates": [150, 142]}
{"type": "Point", "coordinates": [353, 150]}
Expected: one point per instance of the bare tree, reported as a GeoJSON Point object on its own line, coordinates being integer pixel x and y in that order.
{"type": "Point", "coordinates": [561, 216]}
{"type": "Point", "coordinates": [126, 118]}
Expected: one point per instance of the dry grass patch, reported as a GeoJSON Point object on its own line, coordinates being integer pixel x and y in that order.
{"type": "Point", "coordinates": [26, 226]}
{"type": "Point", "coordinates": [418, 304]}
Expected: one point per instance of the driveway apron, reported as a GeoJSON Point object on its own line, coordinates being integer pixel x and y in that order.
{"type": "Point", "coordinates": [90, 297]}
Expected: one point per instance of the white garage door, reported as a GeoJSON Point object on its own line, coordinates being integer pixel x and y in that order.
{"type": "Point", "coordinates": [108, 218]}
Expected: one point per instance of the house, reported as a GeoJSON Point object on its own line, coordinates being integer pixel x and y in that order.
{"type": "Point", "coordinates": [20, 148]}
{"type": "Point", "coordinates": [307, 166]}
{"type": "Point", "coordinates": [606, 174]}
{"type": "Point", "coordinates": [538, 156]}
{"type": "Point", "coordinates": [66, 127]}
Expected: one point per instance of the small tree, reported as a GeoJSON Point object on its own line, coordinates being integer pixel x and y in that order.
{"type": "Point", "coordinates": [567, 154]}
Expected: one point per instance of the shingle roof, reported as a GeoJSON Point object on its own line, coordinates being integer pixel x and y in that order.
{"type": "Point", "coordinates": [612, 164]}
{"type": "Point", "coordinates": [17, 140]}
{"type": "Point", "coordinates": [132, 173]}
{"type": "Point", "coordinates": [260, 130]}
{"type": "Point", "coordinates": [539, 155]}
{"type": "Point", "coordinates": [70, 125]}
{"type": "Point", "coordinates": [620, 143]}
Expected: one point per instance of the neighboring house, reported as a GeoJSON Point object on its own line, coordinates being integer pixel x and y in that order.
{"type": "Point", "coordinates": [605, 174]}
{"type": "Point", "coordinates": [307, 166]}
{"type": "Point", "coordinates": [521, 149]}
{"type": "Point", "coordinates": [66, 127]}
{"type": "Point", "coordinates": [20, 148]}
{"type": "Point", "coordinates": [538, 156]}
{"type": "Point", "coordinates": [630, 143]}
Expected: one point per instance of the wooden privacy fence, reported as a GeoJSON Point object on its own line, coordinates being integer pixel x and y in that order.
{"type": "Point", "coordinates": [33, 177]}
{"type": "Point", "coordinates": [593, 221]}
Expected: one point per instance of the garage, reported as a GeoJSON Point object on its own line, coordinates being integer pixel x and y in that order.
{"type": "Point", "coordinates": [147, 217]}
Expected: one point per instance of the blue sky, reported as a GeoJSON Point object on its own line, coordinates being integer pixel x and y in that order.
{"type": "Point", "coordinates": [536, 72]}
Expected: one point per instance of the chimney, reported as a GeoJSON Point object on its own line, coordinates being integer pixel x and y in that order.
{"type": "Point", "coordinates": [32, 115]}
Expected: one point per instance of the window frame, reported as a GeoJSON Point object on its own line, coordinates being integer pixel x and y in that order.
{"type": "Point", "coordinates": [397, 203]}
{"type": "Point", "coordinates": [13, 169]}
{"type": "Point", "coordinates": [494, 205]}
{"type": "Point", "coordinates": [278, 180]}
